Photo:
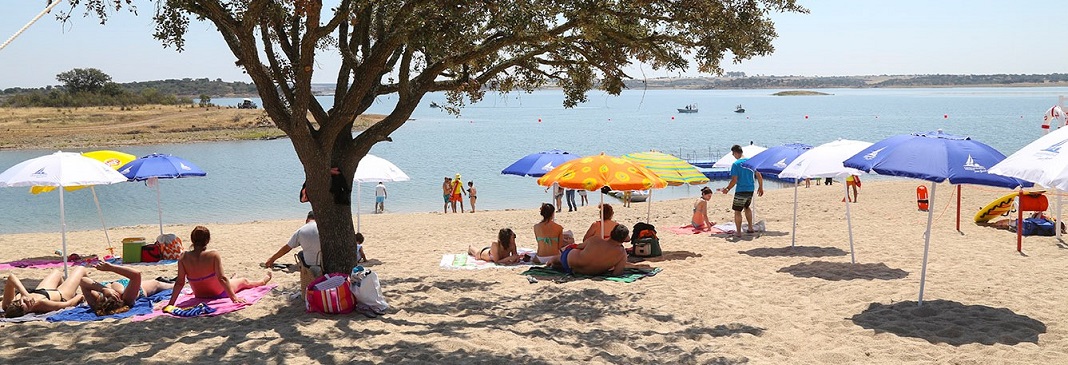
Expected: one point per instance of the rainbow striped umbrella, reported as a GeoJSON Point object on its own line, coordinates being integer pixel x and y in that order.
{"type": "Point", "coordinates": [672, 169]}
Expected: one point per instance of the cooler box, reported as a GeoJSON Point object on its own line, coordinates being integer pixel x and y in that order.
{"type": "Point", "coordinates": [131, 249]}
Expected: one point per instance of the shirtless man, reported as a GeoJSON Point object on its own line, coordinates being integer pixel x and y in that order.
{"type": "Point", "coordinates": [596, 256]}
{"type": "Point", "coordinates": [446, 191]}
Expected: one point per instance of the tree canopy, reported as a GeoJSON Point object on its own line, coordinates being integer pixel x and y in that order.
{"type": "Point", "coordinates": [463, 48]}
{"type": "Point", "coordinates": [83, 79]}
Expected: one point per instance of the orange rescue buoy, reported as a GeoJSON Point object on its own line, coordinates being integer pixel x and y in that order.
{"type": "Point", "coordinates": [921, 197]}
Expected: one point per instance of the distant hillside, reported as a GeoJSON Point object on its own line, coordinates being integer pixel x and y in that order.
{"type": "Point", "coordinates": [195, 87]}
{"type": "Point", "coordinates": [799, 82]}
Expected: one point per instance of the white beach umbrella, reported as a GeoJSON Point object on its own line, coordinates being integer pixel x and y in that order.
{"type": "Point", "coordinates": [374, 169]}
{"type": "Point", "coordinates": [1040, 162]}
{"type": "Point", "coordinates": [728, 159]}
{"type": "Point", "coordinates": [61, 169]}
{"type": "Point", "coordinates": [821, 161]}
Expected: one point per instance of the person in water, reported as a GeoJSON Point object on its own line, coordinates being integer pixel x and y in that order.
{"type": "Point", "coordinates": [52, 293]}
{"type": "Point", "coordinates": [202, 269]}
{"type": "Point", "coordinates": [548, 235]}
{"type": "Point", "coordinates": [111, 297]}
{"type": "Point", "coordinates": [503, 251]}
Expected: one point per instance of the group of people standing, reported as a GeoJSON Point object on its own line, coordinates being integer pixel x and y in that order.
{"type": "Point", "coordinates": [559, 193]}
{"type": "Point", "coordinates": [452, 190]}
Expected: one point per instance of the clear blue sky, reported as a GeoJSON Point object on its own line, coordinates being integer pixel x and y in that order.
{"type": "Point", "coordinates": [838, 37]}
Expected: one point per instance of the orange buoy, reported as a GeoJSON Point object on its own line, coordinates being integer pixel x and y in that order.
{"type": "Point", "coordinates": [921, 197]}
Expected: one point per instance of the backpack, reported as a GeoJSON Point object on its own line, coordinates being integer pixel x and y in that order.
{"type": "Point", "coordinates": [1038, 227]}
{"type": "Point", "coordinates": [644, 241]}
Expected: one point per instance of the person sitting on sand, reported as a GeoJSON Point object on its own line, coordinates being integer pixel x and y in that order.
{"type": "Point", "coordinates": [502, 251]}
{"type": "Point", "coordinates": [52, 293]}
{"type": "Point", "coordinates": [596, 256]}
{"type": "Point", "coordinates": [700, 219]}
{"type": "Point", "coordinates": [307, 237]}
{"type": "Point", "coordinates": [202, 268]}
{"type": "Point", "coordinates": [606, 221]}
{"type": "Point", "coordinates": [111, 297]}
{"type": "Point", "coordinates": [548, 234]}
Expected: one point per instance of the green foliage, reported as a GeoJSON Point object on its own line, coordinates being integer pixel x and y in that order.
{"type": "Point", "coordinates": [205, 100]}
{"type": "Point", "coordinates": [62, 99]}
{"type": "Point", "coordinates": [83, 80]}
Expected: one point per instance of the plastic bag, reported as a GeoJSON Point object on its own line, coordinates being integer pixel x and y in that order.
{"type": "Point", "coordinates": [367, 289]}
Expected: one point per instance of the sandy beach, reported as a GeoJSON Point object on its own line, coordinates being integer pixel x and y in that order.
{"type": "Point", "coordinates": [719, 301]}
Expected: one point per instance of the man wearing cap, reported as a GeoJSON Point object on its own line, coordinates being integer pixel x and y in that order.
{"type": "Point", "coordinates": [457, 193]}
{"type": "Point", "coordinates": [307, 237]}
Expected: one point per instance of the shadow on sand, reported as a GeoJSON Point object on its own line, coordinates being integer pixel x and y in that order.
{"type": "Point", "coordinates": [835, 271]}
{"type": "Point", "coordinates": [943, 321]}
{"type": "Point", "coordinates": [795, 251]}
{"type": "Point", "coordinates": [667, 256]}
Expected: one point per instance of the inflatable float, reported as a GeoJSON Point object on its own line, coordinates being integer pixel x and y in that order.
{"type": "Point", "coordinates": [1033, 200]}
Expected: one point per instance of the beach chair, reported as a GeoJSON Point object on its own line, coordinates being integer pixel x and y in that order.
{"type": "Point", "coordinates": [307, 273]}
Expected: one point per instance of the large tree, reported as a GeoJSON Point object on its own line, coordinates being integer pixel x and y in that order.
{"type": "Point", "coordinates": [83, 80]}
{"type": "Point", "coordinates": [461, 47]}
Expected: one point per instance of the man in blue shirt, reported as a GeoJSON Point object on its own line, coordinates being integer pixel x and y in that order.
{"type": "Point", "coordinates": [744, 179]}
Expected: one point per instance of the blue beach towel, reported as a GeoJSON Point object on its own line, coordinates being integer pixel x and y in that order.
{"type": "Point", "coordinates": [82, 313]}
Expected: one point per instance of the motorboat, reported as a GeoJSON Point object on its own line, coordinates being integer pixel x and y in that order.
{"type": "Point", "coordinates": [635, 196]}
{"type": "Point", "coordinates": [739, 109]}
{"type": "Point", "coordinates": [692, 108]}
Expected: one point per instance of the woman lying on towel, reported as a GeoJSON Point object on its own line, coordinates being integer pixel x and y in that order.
{"type": "Point", "coordinates": [111, 297]}
{"type": "Point", "coordinates": [52, 293]}
{"type": "Point", "coordinates": [502, 251]}
{"type": "Point", "coordinates": [596, 256]}
{"type": "Point", "coordinates": [202, 268]}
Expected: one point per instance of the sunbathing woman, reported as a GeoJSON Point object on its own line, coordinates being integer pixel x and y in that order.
{"type": "Point", "coordinates": [502, 251]}
{"type": "Point", "coordinates": [607, 222]}
{"type": "Point", "coordinates": [52, 293]}
{"type": "Point", "coordinates": [202, 268]}
{"type": "Point", "coordinates": [700, 211]}
{"type": "Point", "coordinates": [548, 234]}
{"type": "Point", "coordinates": [111, 297]}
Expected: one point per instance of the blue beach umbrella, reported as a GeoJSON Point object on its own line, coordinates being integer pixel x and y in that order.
{"type": "Point", "coordinates": [773, 160]}
{"type": "Point", "coordinates": [936, 157]}
{"type": "Point", "coordinates": [538, 164]}
{"type": "Point", "coordinates": [159, 166]}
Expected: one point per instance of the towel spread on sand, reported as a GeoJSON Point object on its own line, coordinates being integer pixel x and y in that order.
{"type": "Point", "coordinates": [221, 305]}
{"type": "Point", "coordinates": [468, 262]}
{"type": "Point", "coordinates": [688, 229]}
{"type": "Point", "coordinates": [32, 317]}
{"type": "Point", "coordinates": [57, 263]}
{"type": "Point", "coordinates": [629, 275]}
{"type": "Point", "coordinates": [83, 313]}
{"type": "Point", "coordinates": [728, 227]}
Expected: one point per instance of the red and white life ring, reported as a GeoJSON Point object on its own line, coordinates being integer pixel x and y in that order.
{"type": "Point", "coordinates": [1055, 116]}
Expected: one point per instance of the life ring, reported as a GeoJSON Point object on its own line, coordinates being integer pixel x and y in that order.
{"type": "Point", "coordinates": [1054, 114]}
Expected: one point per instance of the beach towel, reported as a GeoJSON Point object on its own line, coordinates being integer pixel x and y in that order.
{"type": "Point", "coordinates": [629, 275]}
{"type": "Point", "coordinates": [468, 262]}
{"type": "Point", "coordinates": [57, 263]}
{"type": "Point", "coordinates": [32, 317]}
{"type": "Point", "coordinates": [728, 227]}
{"type": "Point", "coordinates": [688, 229]}
{"type": "Point", "coordinates": [82, 313]}
{"type": "Point", "coordinates": [221, 305]}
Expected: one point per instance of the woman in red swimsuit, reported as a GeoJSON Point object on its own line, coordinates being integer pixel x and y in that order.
{"type": "Point", "coordinates": [202, 268]}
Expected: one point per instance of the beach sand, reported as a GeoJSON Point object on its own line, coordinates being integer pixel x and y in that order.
{"type": "Point", "coordinates": [756, 300]}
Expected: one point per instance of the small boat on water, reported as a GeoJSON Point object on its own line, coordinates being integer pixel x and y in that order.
{"type": "Point", "coordinates": [692, 108]}
{"type": "Point", "coordinates": [739, 109]}
{"type": "Point", "coordinates": [435, 105]}
{"type": "Point", "coordinates": [635, 196]}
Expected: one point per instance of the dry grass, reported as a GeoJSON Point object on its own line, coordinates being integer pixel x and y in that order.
{"type": "Point", "coordinates": [51, 128]}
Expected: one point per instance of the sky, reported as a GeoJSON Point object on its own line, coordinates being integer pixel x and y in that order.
{"type": "Point", "coordinates": [837, 38]}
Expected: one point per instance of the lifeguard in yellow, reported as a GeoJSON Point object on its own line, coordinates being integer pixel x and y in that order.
{"type": "Point", "coordinates": [457, 193]}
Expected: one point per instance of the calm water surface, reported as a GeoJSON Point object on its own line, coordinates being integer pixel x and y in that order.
{"type": "Point", "coordinates": [259, 180]}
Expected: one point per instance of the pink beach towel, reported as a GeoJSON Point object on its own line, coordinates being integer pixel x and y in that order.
{"type": "Point", "coordinates": [688, 229]}
{"type": "Point", "coordinates": [221, 306]}
{"type": "Point", "coordinates": [32, 264]}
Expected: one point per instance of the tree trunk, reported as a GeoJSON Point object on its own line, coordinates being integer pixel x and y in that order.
{"type": "Point", "coordinates": [333, 209]}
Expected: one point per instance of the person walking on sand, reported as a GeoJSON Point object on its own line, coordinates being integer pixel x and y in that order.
{"type": "Point", "coordinates": [558, 195]}
{"type": "Point", "coordinates": [743, 197]}
{"type": "Point", "coordinates": [471, 194]}
{"type": "Point", "coordinates": [380, 197]}
{"type": "Point", "coordinates": [457, 194]}
{"type": "Point", "coordinates": [446, 192]}
{"type": "Point", "coordinates": [854, 182]}
{"type": "Point", "coordinates": [582, 198]}
{"type": "Point", "coordinates": [571, 206]}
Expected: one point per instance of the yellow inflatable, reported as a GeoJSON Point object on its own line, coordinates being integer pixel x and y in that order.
{"type": "Point", "coordinates": [1003, 205]}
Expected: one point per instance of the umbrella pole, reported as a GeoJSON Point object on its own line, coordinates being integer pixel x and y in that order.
{"type": "Point", "coordinates": [1057, 229]}
{"type": "Point", "coordinates": [359, 192]}
{"type": "Point", "coordinates": [849, 226]}
{"type": "Point", "coordinates": [793, 234]}
{"type": "Point", "coordinates": [63, 230]}
{"type": "Point", "coordinates": [159, 208]}
{"type": "Point", "coordinates": [926, 244]}
{"type": "Point", "coordinates": [649, 207]}
{"type": "Point", "coordinates": [111, 250]}
{"type": "Point", "coordinates": [600, 212]}
{"type": "Point", "coordinates": [958, 208]}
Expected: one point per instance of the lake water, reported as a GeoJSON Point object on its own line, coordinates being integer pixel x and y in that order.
{"type": "Point", "coordinates": [260, 180]}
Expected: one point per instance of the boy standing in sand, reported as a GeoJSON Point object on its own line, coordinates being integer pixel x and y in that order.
{"type": "Point", "coordinates": [446, 192]}
{"type": "Point", "coordinates": [380, 197]}
{"type": "Point", "coordinates": [743, 178]}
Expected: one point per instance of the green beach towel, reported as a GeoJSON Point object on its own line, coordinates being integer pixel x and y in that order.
{"type": "Point", "coordinates": [629, 275]}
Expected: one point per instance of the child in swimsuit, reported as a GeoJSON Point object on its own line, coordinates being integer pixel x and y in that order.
{"type": "Point", "coordinates": [118, 296]}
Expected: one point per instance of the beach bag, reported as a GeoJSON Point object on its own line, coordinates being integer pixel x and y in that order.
{"type": "Point", "coordinates": [330, 294]}
{"type": "Point", "coordinates": [367, 289]}
{"type": "Point", "coordinates": [1038, 227]}
{"type": "Point", "coordinates": [642, 230]}
{"type": "Point", "coordinates": [170, 246]}
{"type": "Point", "coordinates": [151, 253]}
{"type": "Point", "coordinates": [646, 247]}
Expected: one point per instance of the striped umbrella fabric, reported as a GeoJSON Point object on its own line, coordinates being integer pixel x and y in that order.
{"type": "Point", "coordinates": [672, 169]}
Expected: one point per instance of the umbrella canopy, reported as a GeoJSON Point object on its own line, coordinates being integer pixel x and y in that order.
{"type": "Point", "coordinates": [774, 159]}
{"type": "Point", "coordinates": [933, 156]}
{"type": "Point", "coordinates": [159, 166]}
{"type": "Point", "coordinates": [825, 160]}
{"type": "Point", "coordinates": [673, 170]}
{"type": "Point", "coordinates": [593, 172]}
{"type": "Point", "coordinates": [374, 169]}
{"type": "Point", "coordinates": [727, 160]}
{"type": "Point", "coordinates": [1040, 161]}
{"type": "Point", "coordinates": [538, 164]}
{"type": "Point", "coordinates": [60, 169]}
